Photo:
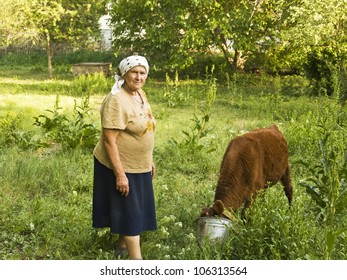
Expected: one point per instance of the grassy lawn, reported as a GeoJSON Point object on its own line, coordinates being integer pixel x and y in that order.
{"type": "Point", "coordinates": [46, 188]}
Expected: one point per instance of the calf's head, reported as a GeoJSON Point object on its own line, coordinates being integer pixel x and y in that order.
{"type": "Point", "coordinates": [217, 209]}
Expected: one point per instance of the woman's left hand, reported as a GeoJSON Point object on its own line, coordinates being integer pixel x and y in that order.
{"type": "Point", "coordinates": [122, 185]}
{"type": "Point", "coordinates": [153, 170]}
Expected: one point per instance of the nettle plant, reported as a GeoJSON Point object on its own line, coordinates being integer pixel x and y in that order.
{"type": "Point", "coordinates": [201, 128]}
{"type": "Point", "coordinates": [327, 184]}
{"type": "Point", "coordinates": [173, 94]}
{"type": "Point", "coordinates": [12, 134]}
{"type": "Point", "coordinates": [69, 131]}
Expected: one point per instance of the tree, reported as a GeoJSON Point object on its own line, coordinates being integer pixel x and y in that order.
{"type": "Point", "coordinates": [55, 24]}
{"type": "Point", "coordinates": [282, 32]}
{"type": "Point", "coordinates": [318, 38]}
{"type": "Point", "coordinates": [148, 27]}
{"type": "Point", "coordinates": [238, 28]}
{"type": "Point", "coordinates": [172, 30]}
{"type": "Point", "coordinates": [9, 19]}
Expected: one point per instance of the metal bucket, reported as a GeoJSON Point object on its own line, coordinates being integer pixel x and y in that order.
{"type": "Point", "coordinates": [213, 228]}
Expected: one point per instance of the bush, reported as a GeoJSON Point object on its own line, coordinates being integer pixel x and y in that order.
{"type": "Point", "coordinates": [295, 85]}
{"type": "Point", "coordinates": [321, 68]}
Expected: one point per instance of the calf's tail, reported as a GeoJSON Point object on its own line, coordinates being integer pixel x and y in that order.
{"type": "Point", "coordinates": [288, 189]}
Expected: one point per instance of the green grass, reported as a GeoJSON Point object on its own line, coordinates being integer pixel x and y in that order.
{"type": "Point", "coordinates": [46, 191]}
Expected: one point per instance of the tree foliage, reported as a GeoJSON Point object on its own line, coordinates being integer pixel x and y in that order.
{"type": "Point", "coordinates": [280, 33]}
{"type": "Point", "coordinates": [299, 36]}
{"type": "Point", "coordinates": [174, 29]}
{"type": "Point", "coordinates": [52, 24]}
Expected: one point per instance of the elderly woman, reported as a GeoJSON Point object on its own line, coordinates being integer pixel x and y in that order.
{"type": "Point", "coordinates": [123, 198]}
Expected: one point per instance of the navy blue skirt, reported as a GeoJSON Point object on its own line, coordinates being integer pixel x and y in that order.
{"type": "Point", "coordinates": [125, 215]}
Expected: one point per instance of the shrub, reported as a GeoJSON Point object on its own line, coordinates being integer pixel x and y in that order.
{"type": "Point", "coordinates": [294, 85]}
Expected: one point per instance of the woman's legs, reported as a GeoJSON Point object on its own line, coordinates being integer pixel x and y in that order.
{"type": "Point", "coordinates": [121, 243]}
{"type": "Point", "coordinates": [132, 243]}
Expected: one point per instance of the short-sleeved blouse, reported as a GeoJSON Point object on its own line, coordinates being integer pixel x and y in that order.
{"type": "Point", "coordinates": [136, 124]}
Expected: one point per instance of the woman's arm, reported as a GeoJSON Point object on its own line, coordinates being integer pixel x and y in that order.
{"type": "Point", "coordinates": [154, 172]}
{"type": "Point", "coordinates": [110, 140]}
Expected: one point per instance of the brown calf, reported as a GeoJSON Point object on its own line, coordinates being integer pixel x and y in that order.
{"type": "Point", "coordinates": [253, 161]}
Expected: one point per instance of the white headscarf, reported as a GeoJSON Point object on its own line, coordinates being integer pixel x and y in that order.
{"type": "Point", "coordinates": [124, 66]}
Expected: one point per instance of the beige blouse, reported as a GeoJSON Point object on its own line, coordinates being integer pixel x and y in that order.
{"type": "Point", "coordinates": [136, 124]}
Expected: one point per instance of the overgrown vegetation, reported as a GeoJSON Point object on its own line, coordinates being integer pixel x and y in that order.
{"type": "Point", "coordinates": [46, 169]}
{"type": "Point", "coordinates": [70, 132]}
{"type": "Point", "coordinates": [326, 183]}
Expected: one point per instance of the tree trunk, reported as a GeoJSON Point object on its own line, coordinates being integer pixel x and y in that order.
{"type": "Point", "coordinates": [228, 59]}
{"type": "Point", "coordinates": [235, 62]}
{"type": "Point", "coordinates": [49, 57]}
{"type": "Point", "coordinates": [49, 60]}
{"type": "Point", "coordinates": [227, 55]}
{"type": "Point", "coordinates": [236, 59]}
{"type": "Point", "coordinates": [222, 44]}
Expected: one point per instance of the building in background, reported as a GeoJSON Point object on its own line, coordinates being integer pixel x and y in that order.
{"type": "Point", "coordinates": [106, 32]}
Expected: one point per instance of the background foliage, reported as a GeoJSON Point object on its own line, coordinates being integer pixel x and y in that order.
{"type": "Point", "coordinates": [51, 25]}
{"type": "Point", "coordinates": [259, 35]}
{"type": "Point", "coordinates": [301, 37]}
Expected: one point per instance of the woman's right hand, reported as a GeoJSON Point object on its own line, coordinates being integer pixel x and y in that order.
{"type": "Point", "coordinates": [122, 185]}
{"type": "Point", "coordinates": [110, 141]}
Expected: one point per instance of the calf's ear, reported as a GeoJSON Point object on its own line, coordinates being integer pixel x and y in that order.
{"type": "Point", "coordinates": [218, 207]}
{"type": "Point", "coordinates": [204, 212]}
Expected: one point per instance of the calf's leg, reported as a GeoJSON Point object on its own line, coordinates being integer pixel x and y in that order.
{"type": "Point", "coordinates": [288, 189]}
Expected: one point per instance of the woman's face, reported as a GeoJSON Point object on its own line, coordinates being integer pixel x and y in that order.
{"type": "Point", "coordinates": [135, 78]}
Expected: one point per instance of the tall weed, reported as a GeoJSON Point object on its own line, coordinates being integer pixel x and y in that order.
{"type": "Point", "coordinates": [327, 184]}
{"type": "Point", "coordinates": [173, 94]}
{"type": "Point", "coordinates": [70, 131]}
{"type": "Point", "coordinates": [274, 232]}
{"type": "Point", "coordinates": [200, 127]}
{"type": "Point", "coordinates": [12, 134]}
